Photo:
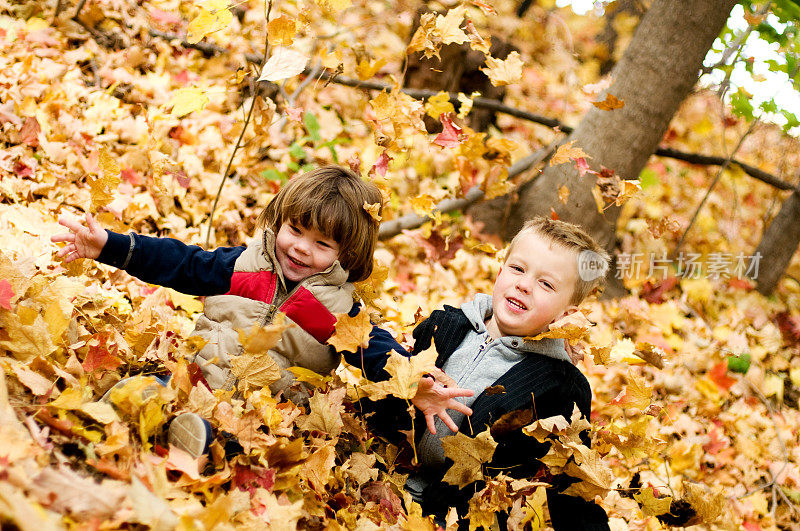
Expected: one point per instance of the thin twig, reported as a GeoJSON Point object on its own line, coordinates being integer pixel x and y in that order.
{"type": "Point", "coordinates": [411, 221]}
{"type": "Point", "coordinates": [238, 140]}
{"type": "Point", "coordinates": [711, 187]}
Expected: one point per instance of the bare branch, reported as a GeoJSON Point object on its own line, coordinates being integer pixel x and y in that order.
{"type": "Point", "coordinates": [412, 221]}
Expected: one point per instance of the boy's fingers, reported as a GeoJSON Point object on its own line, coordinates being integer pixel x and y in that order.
{"type": "Point", "coordinates": [92, 223]}
{"type": "Point", "coordinates": [448, 421]}
{"type": "Point", "coordinates": [462, 408]}
{"type": "Point", "coordinates": [429, 420]}
{"type": "Point", "coordinates": [63, 237]}
{"type": "Point", "coordinates": [70, 223]}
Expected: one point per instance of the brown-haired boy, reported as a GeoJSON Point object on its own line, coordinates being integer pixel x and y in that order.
{"type": "Point", "coordinates": [550, 267]}
{"type": "Point", "coordinates": [317, 239]}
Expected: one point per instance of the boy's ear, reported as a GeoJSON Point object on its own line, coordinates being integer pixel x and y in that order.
{"type": "Point", "coordinates": [569, 311]}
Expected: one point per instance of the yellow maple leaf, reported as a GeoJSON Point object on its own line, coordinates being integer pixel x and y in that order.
{"type": "Point", "coordinates": [563, 194]}
{"type": "Point", "coordinates": [214, 16]}
{"type": "Point", "coordinates": [325, 413]}
{"type": "Point", "coordinates": [425, 205]}
{"type": "Point", "coordinates": [566, 152]}
{"type": "Point", "coordinates": [504, 71]}
{"type": "Point", "coordinates": [468, 455]}
{"type": "Point", "coordinates": [600, 355]}
{"type": "Point", "coordinates": [318, 467]}
{"type": "Point", "coordinates": [351, 333]}
{"type": "Point", "coordinates": [102, 186]}
{"type": "Point", "coordinates": [281, 31]}
{"type": "Point", "coordinates": [610, 103]}
{"type": "Point", "coordinates": [438, 104]}
{"type": "Point", "coordinates": [255, 370]}
{"type": "Point", "coordinates": [405, 373]}
{"type": "Point", "coordinates": [629, 189]}
{"type": "Point", "coordinates": [308, 376]}
{"type": "Point", "coordinates": [260, 339]}
{"type": "Point", "coordinates": [596, 476]}
{"type": "Point", "coordinates": [368, 290]}
{"type": "Point", "coordinates": [465, 103]}
{"type": "Point", "coordinates": [651, 505]}
{"type": "Point", "coordinates": [448, 26]}
{"type": "Point", "coordinates": [187, 100]}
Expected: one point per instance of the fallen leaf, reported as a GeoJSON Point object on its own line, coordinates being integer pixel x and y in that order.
{"type": "Point", "coordinates": [351, 333]}
{"type": "Point", "coordinates": [214, 16]}
{"type": "Point", "coordinates": [468, 455]}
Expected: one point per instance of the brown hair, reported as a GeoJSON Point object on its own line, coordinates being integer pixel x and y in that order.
{"type": "Point", "coordinates": [331, 200]}
{"type": "Point", "coordinates": [573, 238]}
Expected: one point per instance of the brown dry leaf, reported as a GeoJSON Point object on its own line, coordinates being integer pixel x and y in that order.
{"type": "Point", "coordinates": [637, 393]}
{"type": "Point", "coordinates": [610, 103]}
{"type": "Point", "coordinates": [105, 184]}
{"type": "Point", "coordinates": [708, 505]}
{"type": "Point", "coordinates": [468, 455]}
{"type": "Point", "coordinates": [325, 413]}
{"type": "Point", "coordinates": [425, 40]}
{"type": "Point", "coordinates": [405, 373]}
{"type": "Point", "coordinates": [279, 513]}
{"type": "Point", "coordinates": [650, 353]}
{"type": "Point", "coordinates": [318, 467]}
{"type": "Point", "coordinates": [63, 490]}
{"type": "Point", "coordinates": [361, 467]}
{"type": "Point", "coordinates": [600, 355]}
{"type": "Point", "coordinates": [597, 478]}
{"type": "Point", "coordinates": [351, 333]}
{"type": "Point", "coordinates": [566, 152]}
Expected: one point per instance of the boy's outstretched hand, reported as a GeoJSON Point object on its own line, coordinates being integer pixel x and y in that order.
{"type": "Point", "coordinates": [83, 241]}
{"type": "Point", "coordinates": [435, 395]}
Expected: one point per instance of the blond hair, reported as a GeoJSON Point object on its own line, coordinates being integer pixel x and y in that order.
{"type": "Point", "coordinates": [572, 238]}
{"type": "Point", "coordinates": [331, 200]}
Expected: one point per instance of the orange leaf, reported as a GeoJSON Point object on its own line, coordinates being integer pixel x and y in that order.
{"type": "Point", "coordinates": [351, 332]}
{"type": "Point", "coordinates": [610, 103]}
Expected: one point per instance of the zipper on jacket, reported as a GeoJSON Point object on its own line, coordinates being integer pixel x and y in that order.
{"type": "Point", "coordinates": [483, 346]}
{"type": "Point", "coordinates": [270, 314]}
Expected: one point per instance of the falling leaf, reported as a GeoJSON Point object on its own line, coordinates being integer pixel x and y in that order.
{"type": "Point", "coordinates": [438, 104]}
{"type": "Point", "coordinates": [566, 152]}
{"type": "Point", "coordinates": [187, 100]}
{"type": "Point", "coordinates": [259, 339]}
{"type": "Point", "coordinates": [637, 393]}
{"type": "Point", "coordinates": [610, 103]}
{"type": "Point", "coordinates": [405, 374]}
{"type": "Point", "coordinates": [351, 333]}
{"type": "Point", "coordinates": [214, 16]}
{"type": "Point", "coordinates": [451, 135]}
{"type": "Point", "coordinates": [366, 68]}
{"type": "Point", "coordinates": [468, 455]}
{"type": "Point", "coordinates": [373, 210]}
{"type": "Point", "coordinates": [283, 63]}
{"type": "Point", "coordinates": [652, 354]}
{"type": "Point", "coordinates": [448, 26]}
{"type": "Point", "coordinates": [335, 6]}
{"type": "Point", "coordinates": [281, 31]}
{"type": "Point", "coordinates": [600, 355]}
{"type": "Point", "coordinates": [476, 41]}
{"type": "Point", "coordinates": [504, 72]}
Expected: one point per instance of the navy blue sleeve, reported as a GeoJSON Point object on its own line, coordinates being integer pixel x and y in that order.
{"type": "Point", "coordinates": [372, 359]}
{"type": "Point", "coordinates": [171, 263]}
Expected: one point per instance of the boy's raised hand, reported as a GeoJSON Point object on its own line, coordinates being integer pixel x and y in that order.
{"type": "Point", "coordinates": [83, 241]}
{"type": "Point", "coordinates": [435, 395]}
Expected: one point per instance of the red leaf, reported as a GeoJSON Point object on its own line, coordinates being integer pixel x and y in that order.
{"type": "Point", "coordinates": [6, 294]}
{"type": "Point", "coordinates": [451, 135]}
{"type": "Point", "coordinates": [100, 358]}
{"type": "Point", "coordinates": [740, 283]}
{"type": "Point", "coordinates": [181, 177]}
{"type": "Point", "coordinates": [382, 164]}
{"type": "Point", "coordinates": [719, 375]}
{"type": "Point", "coordinates": [554, 214]}
{"type": "Point", "coordinates": [789, 326]}
{"type": "Point", "coordinates": [132, 176]}
{"type": "Point", "coordinates": [295, 114]}
{"type": "Point", "coordinates": [249, 478]}
{"type": "Point", "coordinates": [22, 170]}
{"type": "Point", "coordinates": [583, 167]}
{"type": "Point", "coordinates": [654, 292]}
{"type": "Point", "coordinates": [29, 133]}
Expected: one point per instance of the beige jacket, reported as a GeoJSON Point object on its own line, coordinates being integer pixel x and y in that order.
{"type": "Point", "coordinates": [258, 291]}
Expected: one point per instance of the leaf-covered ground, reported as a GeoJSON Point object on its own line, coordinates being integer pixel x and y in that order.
{"type": "Point", "coordinates": [696, 380]}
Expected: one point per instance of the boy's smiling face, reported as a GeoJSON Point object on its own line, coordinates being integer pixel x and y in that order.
{"type": "Point", "coordinates": [302, 252]}
{"type": "Point", "coordinates": [534, 287]}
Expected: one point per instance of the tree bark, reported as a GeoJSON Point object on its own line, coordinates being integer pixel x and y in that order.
{"type": "Point", "coordinates": [778, 245]}
{"type": "Point", "coordinates": [656, 72]}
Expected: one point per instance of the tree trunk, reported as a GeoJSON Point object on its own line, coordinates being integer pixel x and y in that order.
{"type": "Point", "coordinates": [778, 245]}
{"type": "Point", "coordinates": [619, 14]}
{"type": "Point", "coordinates": [656, 72]}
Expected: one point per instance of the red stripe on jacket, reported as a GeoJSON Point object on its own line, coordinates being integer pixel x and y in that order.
{"type": "Point", "coordinates": [312, 316]}
{"type": "Point", "coordinates": [259, 285]}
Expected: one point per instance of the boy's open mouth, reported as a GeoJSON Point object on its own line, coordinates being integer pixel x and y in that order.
{"type": "Point", "coordinates": [296, 262]}
{"type": "Point", "coordinates": [516, 303]}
